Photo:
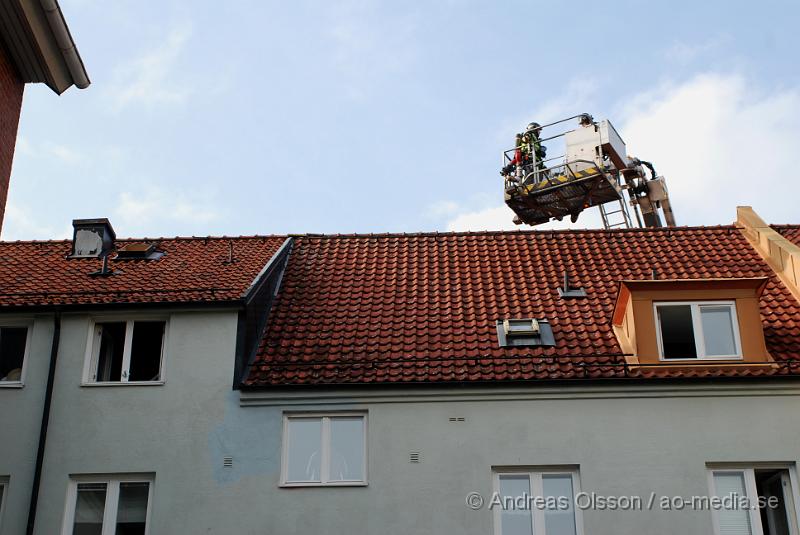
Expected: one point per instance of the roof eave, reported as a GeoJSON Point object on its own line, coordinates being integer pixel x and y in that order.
{"type": "Point", "coordinates": [236, 304]}
{"type": "Point", "coordinates": [41, 46]}
{"type": "Point", "coordinates": [501, 383]}
{"type": "Point", "coordinates": [67, 46]}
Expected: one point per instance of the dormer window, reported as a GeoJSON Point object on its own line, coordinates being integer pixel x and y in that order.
{"type": "Point", "coordinates": [697, 330]}
{"type": "Point", "coordinates": [691, 322]}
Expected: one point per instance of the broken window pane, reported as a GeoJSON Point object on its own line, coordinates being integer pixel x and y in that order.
{"type": "Point", "coordinates": [148, 339]}
{"type": "Point", "coordinates": [12, 352]}
{"type": "Point", "coordinates": [112, 346]}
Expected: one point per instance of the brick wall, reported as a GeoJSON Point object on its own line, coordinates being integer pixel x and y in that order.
{"type": "Point", "coordinates": [10, 104]}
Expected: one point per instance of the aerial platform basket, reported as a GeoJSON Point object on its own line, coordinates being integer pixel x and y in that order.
{"type": "Point", "coordinates": [563, 190]}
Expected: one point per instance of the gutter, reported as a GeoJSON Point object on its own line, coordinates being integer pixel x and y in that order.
{"type": "Point", "coordinates": [124, 305]}
{"type": "Point", "coordinates": [55, 18]}
{"type": "Point", "coordinates": [48, 398]}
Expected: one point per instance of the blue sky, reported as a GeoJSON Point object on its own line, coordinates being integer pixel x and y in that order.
{"type": "Point", "coordinates": [259, 117]}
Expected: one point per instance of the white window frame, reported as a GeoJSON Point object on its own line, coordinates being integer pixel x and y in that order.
{"type": "Point", "coordinates": [537, 489]}
{"type": "Point", "coordinates": [750, 486]}
{"type": "Point", "coordinates": [27, 323]}
{"type": "Point", "coordinates": [3, 497]}
{"type": "Point", "coordinates": [93, 350]}
{"type": "Point", "coordinates": [112, 483]}
{"type": "Point", "coordinates": [325, 450]}
{"type": "Point", "coordinates": [697, 325]}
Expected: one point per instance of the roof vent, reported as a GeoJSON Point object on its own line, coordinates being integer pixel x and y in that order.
{"type": "Point", "coordinates": [524, 332]}
{"type": "Point", "coordinates": [139, 251]}
{"type": "Point", "coordinates": [568, 292]}
{"type": "Point", "coordinates": [415, 457]}
{"type": "Point", "coordinates": [92, 238]}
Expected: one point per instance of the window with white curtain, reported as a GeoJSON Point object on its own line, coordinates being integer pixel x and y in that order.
{"type": "Point", "coordinates": [775, 515]}
{"type": "Point", "coordinates": [553, 514]}
{"type": "Point", "coordinates": [109, 506]}
{"type": "Point", "coordinates": [324, 449]}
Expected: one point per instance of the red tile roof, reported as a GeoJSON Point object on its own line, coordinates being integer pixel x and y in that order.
{"type": "Point", "coordinates": [422, 308]}
{"type": "Point", "coordinates": [790, 232]}
{"type": "Point", "coordinates": [192, 270]}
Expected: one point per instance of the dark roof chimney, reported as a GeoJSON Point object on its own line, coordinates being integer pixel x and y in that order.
{"type": "Point", "coordinates": [92, 238]}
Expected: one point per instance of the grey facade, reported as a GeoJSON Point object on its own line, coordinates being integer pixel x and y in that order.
{"type": "Point", "coordinates": [624, 440]}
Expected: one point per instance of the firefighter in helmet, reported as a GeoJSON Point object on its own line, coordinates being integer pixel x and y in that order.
{"type": "Point", "coordinates": [538, 150]}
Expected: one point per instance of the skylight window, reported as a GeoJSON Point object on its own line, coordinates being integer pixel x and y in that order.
{"type": "Point", "coordinates": [524, 332]}
{"type": "Point", "coordinates": [139, 251]}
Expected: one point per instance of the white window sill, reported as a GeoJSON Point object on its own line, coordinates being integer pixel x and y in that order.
{"type": "Point", "coordinates": [11, 384]}
{"type": "Point", "coordinates": [703, 359]}
{"type": "Point", "coordinates": [129, 383]}
{"type": "Point", "coordinates": [331, 484]}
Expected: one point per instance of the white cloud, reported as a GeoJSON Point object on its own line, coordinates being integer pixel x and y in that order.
{"type": "Point", "coordinates": [501, 217]}
{"type": "Point", "coordinates": [63, 153]}
{"type": "Point", "coordinates": [490, 218]}
{"type": "Point", "coordinates": [149, 78]}
{"type": "Point", "coordinates": [66, 154]}
{"type": "Point", "coordinates": [682, 52]}
{"type": "Point", "coordinates": [145, 212]}
{"type": "Point", "coordinates": [443, 208]}
{"type": "Point", "coordinates": [718, 140]}
{"type": "Point", "coordinates": [721, 143]}
{"type": "Point", "coordinates": [24, 146]}
{"type": "Point", "coordinates": [22, 223]}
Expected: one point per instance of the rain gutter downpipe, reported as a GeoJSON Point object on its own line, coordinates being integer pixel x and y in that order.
{"type": "Point", "coordinates": [48, 398]}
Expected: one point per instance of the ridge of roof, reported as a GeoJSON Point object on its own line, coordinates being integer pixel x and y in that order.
{"type": "Point", "coordinates": [729, 227]}
{"type": "Point", "coordinates": [162, 238]}
{"type": "Point", "coordinates": [667, 230]}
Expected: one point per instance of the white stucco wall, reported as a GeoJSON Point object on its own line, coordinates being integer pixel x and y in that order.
{"type": "Point", "coordinates": [626, 440]}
